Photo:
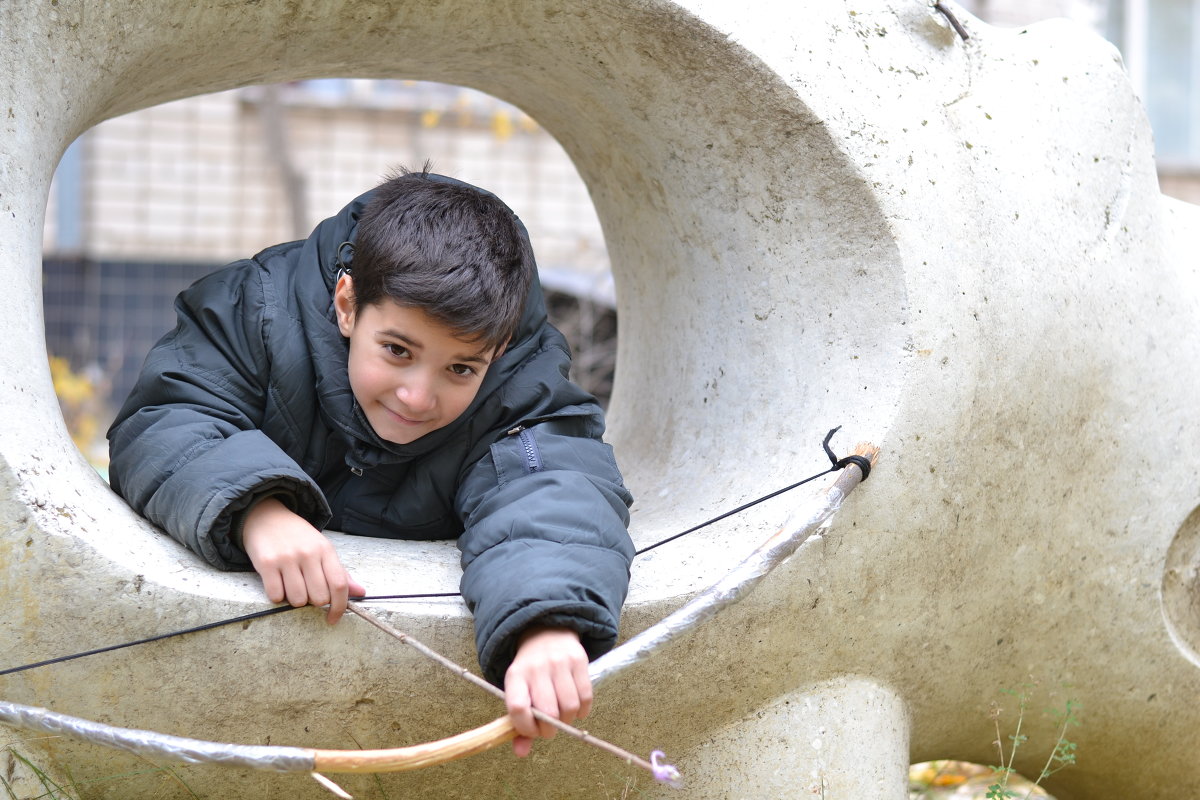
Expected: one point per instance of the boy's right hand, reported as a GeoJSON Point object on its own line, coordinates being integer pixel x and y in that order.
{"type": "Point", "coordinates": [295, 560]}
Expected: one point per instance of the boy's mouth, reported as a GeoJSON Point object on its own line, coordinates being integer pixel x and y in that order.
{"type": "Point", "coordinates": [403, 419]}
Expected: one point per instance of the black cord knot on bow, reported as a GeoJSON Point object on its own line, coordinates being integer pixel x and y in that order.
{"type": "Point", "coordinates": [862, 462]}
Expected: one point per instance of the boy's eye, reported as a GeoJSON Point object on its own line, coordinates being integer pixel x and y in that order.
{"type": "Point", "coordinates": [399, 351]}
{"type": "Point", "coordinates": [462, 370]}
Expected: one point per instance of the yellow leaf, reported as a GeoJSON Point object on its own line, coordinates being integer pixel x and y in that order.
{"type": "Point", "coordinates": [502, 125]}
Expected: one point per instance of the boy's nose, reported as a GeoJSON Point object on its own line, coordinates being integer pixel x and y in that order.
{"type": "Point", "coordinates": [417, 395]}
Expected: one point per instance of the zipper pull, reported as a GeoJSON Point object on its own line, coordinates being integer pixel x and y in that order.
{"type": "Point", "coordinates": [514, 431]}
{"type": "Point", "coordinates": [357, 471]}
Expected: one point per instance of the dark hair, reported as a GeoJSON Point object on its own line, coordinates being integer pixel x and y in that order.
{"type": "Point", "coordinates": [456, 252]}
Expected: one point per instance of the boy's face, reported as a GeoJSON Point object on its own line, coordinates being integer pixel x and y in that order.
{"type": "Point", "coordinates": [409, 373]}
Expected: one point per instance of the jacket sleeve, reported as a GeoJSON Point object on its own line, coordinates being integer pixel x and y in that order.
{"type": "Point", "coordinates": [185, 450]}
{"type": "Point", "coordinates": [545, 542]}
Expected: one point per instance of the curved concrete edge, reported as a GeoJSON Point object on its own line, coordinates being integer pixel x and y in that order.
{"type": "Point", "coordinates": [94, 81]}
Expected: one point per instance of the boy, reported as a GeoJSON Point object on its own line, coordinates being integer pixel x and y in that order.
{"type": "Point", "coordinates": [393, 375]}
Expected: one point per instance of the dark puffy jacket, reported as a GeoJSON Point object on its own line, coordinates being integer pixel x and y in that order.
{"type": "Point", "coordinates": [249, 396]}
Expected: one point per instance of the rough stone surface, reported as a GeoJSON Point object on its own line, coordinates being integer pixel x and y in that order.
{"type": "Point", "coordinates": [801, 744]}
{"type": "Point", "coordinates": [819, 213]}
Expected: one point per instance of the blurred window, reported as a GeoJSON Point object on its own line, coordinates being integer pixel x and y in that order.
{"type": "Point", "coordinates": [1160, 40]}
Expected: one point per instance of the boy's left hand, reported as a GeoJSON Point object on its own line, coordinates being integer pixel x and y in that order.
{"type": "Point", "coordinates": [549, 673]}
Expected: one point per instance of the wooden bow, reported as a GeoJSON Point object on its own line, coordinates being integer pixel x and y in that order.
{"type": "Point", "coordinates": [401, 759]}
{"type": "Point", "coordinates": [740, 581]}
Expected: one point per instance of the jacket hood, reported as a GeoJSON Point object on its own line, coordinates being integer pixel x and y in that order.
{"type": "Point", "coordinates": [322, 257]}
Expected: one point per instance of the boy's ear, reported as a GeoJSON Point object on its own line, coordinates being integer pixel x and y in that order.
{"type": "Point", "coordinates": [343, 304]}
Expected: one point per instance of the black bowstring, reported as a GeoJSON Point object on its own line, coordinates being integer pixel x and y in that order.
{"type": "Point", "coordinates": [147, 640]}
{"type": "Point", "coordinates": [862, 462]}
{"type": "Point", "coordinates": [737, 510]}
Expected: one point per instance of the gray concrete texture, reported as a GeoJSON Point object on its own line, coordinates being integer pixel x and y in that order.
{"type": "Point", "coordinates": [818, 213]}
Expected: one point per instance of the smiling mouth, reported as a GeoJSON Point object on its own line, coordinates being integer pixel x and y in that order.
{"type": "Point", "coordinates": [403, 419]}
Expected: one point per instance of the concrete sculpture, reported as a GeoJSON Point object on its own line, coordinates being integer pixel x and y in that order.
{"type": "Point", "coordinates": [819, 213]}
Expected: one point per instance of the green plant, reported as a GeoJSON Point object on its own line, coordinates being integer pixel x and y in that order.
{"type": "Point", "coordinates": [1062, 755]}
{"type": "Point", "coordinates": [52, 789]}
{"type": "Point", "coordinates": [68, 788]}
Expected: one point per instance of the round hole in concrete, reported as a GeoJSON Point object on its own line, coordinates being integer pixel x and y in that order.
{"type": "Point", "coordinates": [761, 293]}
{"type": "Point", "coordinates": [1181, 587]}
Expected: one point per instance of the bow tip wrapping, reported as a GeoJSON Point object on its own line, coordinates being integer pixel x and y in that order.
{"type": "Point", "coordinates": [663, 772]}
